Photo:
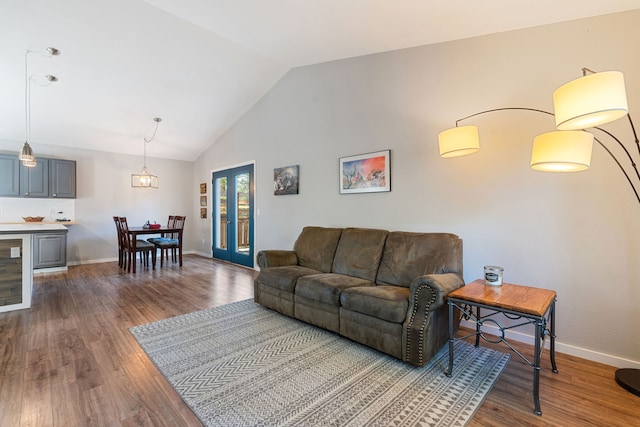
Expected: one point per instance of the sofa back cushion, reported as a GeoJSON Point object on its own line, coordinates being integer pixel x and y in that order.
{"type": "Point", "coordinates": [410, 255]}
{"type": "Point", "coordinates": [316, 246]}
{"type": "Point", "coordinates": [359, 252]}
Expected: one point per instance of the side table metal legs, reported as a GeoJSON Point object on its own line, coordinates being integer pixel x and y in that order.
{"type": "Point", "coordinates": [541, 330]}
{"type": "Point", "coordinates": [539, 346]}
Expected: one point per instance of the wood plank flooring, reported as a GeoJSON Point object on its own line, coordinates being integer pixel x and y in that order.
{"type": "Point", "coordinates": [71, 361]}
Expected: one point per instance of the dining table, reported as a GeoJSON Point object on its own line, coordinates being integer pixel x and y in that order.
{"type": "Point", "coordinates": [134, 232]}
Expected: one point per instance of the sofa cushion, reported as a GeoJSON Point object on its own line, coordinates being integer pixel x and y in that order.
{"type": "Point", "coordinates": [359, 252]}
{"type": "Point", "coordinates": [316, 246]}
{"type": "Point", "coordinates": [372, 331]}
{"type": "Point", "coordinates": [283, 278]}
{"type": "Point", "coordinates": [389, 303]}
{"type": "Point", "coordinates": [326, 288]}
{"type": "Point", "coordinates": [410, 255]}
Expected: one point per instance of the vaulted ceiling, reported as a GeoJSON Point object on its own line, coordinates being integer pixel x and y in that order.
{"type": "Point", "coordinates": [200, 64]}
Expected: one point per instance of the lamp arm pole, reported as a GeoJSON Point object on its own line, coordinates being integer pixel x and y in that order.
{"type": "Point", "coordinates": [635, 135]}
{"type": "Point", "coordinates": [504, 109]}
{"type": "Point", "coordinates": [633, 187]}
{"type": "Point", "coordinates": [626, 151]}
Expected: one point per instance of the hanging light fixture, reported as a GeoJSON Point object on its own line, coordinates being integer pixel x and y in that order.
{"type": "Point", "coordinates": [26, 154]}
{"type": "Point", "coordinates": [144, 179]}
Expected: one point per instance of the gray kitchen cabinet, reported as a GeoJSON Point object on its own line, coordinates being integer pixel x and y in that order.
{"type": "Point", "coordinates": [34, 181]}
{"type": "Point", "coordinates": [9, 175]}
{"type": "Point", "coordinates": [50, 249]}
{"type": "Point", "coordinates": [62, 178]}
{"type": "Point", "coordinates": [50, 178]}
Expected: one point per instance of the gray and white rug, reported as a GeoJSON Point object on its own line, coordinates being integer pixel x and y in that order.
{"type": "Point", "coordinates": [244, 365]}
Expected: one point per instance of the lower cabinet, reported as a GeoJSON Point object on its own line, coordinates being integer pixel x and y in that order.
{"type": "Point", "coordinates": [50, 249]}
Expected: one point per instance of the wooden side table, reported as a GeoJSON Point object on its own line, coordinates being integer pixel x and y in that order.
{"type": "Point", "coordinates": [528, 306]}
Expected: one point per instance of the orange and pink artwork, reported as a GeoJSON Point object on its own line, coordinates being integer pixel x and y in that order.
{"type": "Point", "coordinates": [365, 173]}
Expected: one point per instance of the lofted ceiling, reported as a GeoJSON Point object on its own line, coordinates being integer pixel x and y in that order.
{"type": "Point", "coordinates": [200, 64]}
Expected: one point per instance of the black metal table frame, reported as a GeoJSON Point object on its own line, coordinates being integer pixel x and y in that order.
{"type": "Point", "coordinates": [541, 329]}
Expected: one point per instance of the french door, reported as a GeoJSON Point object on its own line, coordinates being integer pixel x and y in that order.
{"type": "Point", "coordinates": [232, 218]}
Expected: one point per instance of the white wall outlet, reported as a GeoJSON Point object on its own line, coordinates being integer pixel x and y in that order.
{"type": "Point", "coordinates": [15, 252]}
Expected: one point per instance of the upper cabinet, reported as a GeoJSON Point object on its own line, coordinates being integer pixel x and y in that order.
{"type": "Point", "coordinates": [62, 178]}
{"type": "Point", "coordinates": [9, 175]}
{"type": "Point", "coordinates": [34, 181]}
{"type": "Point", "coordinates": [50, 178]}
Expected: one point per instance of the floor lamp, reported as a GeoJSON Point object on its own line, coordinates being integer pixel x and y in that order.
{"type": "Point", "coordinates": [587, 102]}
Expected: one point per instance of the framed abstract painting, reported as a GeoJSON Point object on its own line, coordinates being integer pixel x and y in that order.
{"type": "Point", "coordinates": [286, 180]}
{"type": "Point", "coordinates": [365, 173]}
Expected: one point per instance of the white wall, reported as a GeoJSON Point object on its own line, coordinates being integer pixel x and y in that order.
{"type": "Point", "coordinates": [575, 233]}
{"type": "Point", "coordinates": [103, 190]}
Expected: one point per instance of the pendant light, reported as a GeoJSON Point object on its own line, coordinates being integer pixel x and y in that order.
{"type": "Point", "coordinates": [144, 178]}
{"type": "Point", "coordinates": [26, 154]}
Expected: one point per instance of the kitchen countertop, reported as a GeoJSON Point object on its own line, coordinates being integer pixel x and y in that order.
{"type": "Point", "coordinates": [31, 227]}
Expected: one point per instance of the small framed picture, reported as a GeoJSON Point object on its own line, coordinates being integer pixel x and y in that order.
{"type": "Point", "coordinates": [203, 200]}
{"type": "Point", "coordinates": [365, 173]}
{"type": "Point", "coordinates": [203, 188]}
{"type": "Point", "coordinates": [203, 213]}
{"type": "Point", "coordinates": [285, 180]}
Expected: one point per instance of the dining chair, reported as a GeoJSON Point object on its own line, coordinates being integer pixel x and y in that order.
{"type": "Point", "coordinates": [170, 224]}
{"type": "Point", "coordinates": [142, 247]}
{"type": "Point", "coordinates": [170, 241]}
{"type": "Point", "coordinates": [116, 219]}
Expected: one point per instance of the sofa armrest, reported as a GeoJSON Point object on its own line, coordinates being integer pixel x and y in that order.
{"type": "Point", "coordinates": [426, 327]}
{"type": "Point", "coordinates": [430, 291]}
{"type": "Point", "coordinates": [276, 258]}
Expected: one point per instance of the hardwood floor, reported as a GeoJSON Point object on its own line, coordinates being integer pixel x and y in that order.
{"type": "Point", "coordinates": [71, 361]}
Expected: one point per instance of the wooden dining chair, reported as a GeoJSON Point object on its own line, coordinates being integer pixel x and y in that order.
{"type": "Point", "coordinates": [169, 241]}
{"type": "Point", "coordinates": [144, 248]}
{"type": "Point", "coordinates": [116, 219]}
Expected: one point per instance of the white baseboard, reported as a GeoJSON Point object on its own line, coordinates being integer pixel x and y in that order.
{"type": "Point", "coordinates": [91, 261]}
{"type": "Point", "coordinates": [583, 353]}
{"type": "Point", "coordinates": [204, 254]}
{"type": "Point", "coordinates": [49, 270]}
{"type": "Point", "coordinates": [97, 261]}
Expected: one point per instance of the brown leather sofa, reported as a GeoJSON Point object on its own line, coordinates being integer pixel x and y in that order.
{"type": "Point", "coordinates": [384, 289]}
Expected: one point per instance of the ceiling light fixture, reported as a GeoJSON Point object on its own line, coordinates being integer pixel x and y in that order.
{"type": "Point", "coordinates": [144, 179]}
{"type": "Point", "coordinates": [26, 154]}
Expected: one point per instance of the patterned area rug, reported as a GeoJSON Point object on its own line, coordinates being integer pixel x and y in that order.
{"type": "Point", "coordinates": [244, 365]}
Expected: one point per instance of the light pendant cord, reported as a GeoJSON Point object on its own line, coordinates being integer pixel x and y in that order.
{"type": "Point", "coordinates": [51, 51]}
{"type": "Point", "coordinates": [146, 141]}
{"type": "Point", "coordinates": [27, 116]}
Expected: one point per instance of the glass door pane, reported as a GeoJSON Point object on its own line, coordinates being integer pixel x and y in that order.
{"type": "Point", "coordinates": [220, 213]}
{"type": "Point", "coordinates": [243, 244]}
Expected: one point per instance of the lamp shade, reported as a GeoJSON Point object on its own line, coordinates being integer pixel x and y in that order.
{"type": "Point", "coordinates": [459, 141]}
{"type": "Point", "coordinates": [144, 179]}
{"type": "Point", "coordinates": [562, 151]}
{"type": "Point", "coordinates": [590, 101]}
{"type": "Point", "coordinates": [26, 154]}
{"type": "Point", "coordinates": [30, 163]}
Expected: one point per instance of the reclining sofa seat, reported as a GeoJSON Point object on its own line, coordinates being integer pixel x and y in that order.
{"type": "Point", "coordinates": [386, 290]}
